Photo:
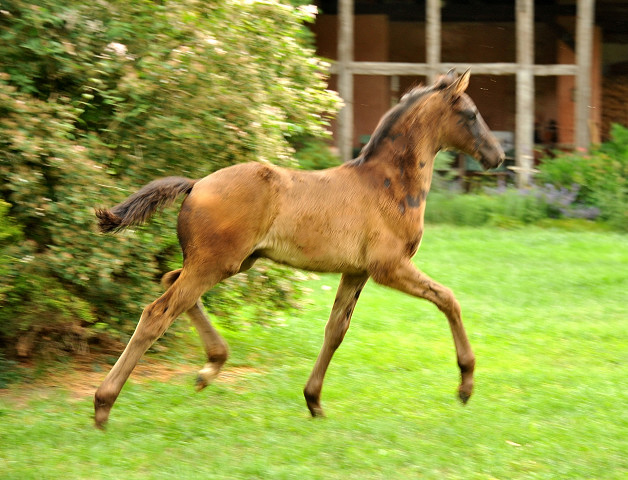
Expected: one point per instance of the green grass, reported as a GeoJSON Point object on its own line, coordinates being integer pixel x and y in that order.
{"type": "Point", "coordinates": [546, 312]}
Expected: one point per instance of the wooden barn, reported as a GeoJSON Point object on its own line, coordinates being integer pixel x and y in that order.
{"type": "Point", "coordinates": [545, 73]}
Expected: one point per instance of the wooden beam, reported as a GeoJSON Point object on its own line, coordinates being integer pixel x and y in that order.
{"type": "Point", "coordinates": [584, 59]}
{"type": "Point", "coordinates": [419, 69]}
{"type": "Point", "coordinates": [524, 132]}
{"type": "Point", "coordinates": [345, 78]}
{"type": "Point", "coordinates": [558, 70]}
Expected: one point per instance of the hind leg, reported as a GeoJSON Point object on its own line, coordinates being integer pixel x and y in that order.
{"type": "Point", "coordinates": [155, 320]}
{"type": "Point", "coordinates": [215, 346]}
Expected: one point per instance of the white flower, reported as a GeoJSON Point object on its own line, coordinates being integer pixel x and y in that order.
{"type": "Point", "coordinates": [211, 40]}
{"type": "Point", "coordinates": [117, 48]}
{"type": "Point", "coordinates": [309, 10]}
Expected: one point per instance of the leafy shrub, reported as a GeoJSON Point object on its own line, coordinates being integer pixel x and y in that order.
{"type": "Point", "coordinates": [98, 98]}
{"type": "Point", "coordinates": [601, 177]}
{"type": "Point", "coordinates": [469, 210]}
{"type": "Point", "coordinates": [444, 170]}
{"type": "Point", "coordinates": [497, 206]}
{"type": "Point", "coordinates": [503, 206]}
{"type": "Point", "coordinates": [10, 234]}
{"type": "Point", "coordinates": [259, 294]}
{"type": "Point", "coordinates": [58, 270]}
{"type": "Point", "coordinates": [8, 371]}
{"type": "Point", "coordinates": [315, 154]}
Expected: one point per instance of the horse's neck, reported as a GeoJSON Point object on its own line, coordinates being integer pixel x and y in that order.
{"type": "Point", "coordinates": [418, 168]}
{"type": "Point", "coordinates": [406, 162]}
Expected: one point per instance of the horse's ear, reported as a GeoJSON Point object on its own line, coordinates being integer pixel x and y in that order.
{"type": "Point", "coordinates": [446, 80]}
{"type": "Point", "coordinates": [459, 86]}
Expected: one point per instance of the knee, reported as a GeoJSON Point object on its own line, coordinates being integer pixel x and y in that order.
{"type": "Point", "coordinates": [335, 336]}
{"type": "Point", "coordinates": [449, 305]}
{"type": "Point", "coordinates": [454, 307]}
{"type": "Point", "coordinates": [104, 397]}
{"type": "Point", "coordinates": [335, 333]}
{"type": "Point", "coordinates": [154, 320]}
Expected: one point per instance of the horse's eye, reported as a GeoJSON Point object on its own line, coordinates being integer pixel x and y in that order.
{"type": "Point", "coordinates": [471, 116]}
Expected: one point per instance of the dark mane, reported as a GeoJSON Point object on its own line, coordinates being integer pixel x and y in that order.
{"type": "Point", "coordinates": [392, 117]}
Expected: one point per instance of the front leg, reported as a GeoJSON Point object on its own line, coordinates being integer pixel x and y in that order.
{"type": "Point", "coordinates": [335, 330]}
{"type": "Point", "coordinates": [405, 277]}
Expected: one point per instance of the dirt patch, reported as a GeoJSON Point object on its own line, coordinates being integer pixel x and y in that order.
{"type": "Point", "coordinates": [235, 374]}
{"type": "Point", "coordinates": [83, 381]}
{"type": "Point", "coordinates": [82, 378]}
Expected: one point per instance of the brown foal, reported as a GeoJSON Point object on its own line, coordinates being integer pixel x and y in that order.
{"type": "Point", "coordinates": [362, 219]}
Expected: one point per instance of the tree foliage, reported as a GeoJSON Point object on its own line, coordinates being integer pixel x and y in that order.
{"type": "Point", "coordinates": [97, 98]}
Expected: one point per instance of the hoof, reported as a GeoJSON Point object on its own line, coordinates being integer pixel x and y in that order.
{"type": "Point", "coordinates": [206, 375]}
{"type": "Point", "coordinates": [101, 415]}
{"type": "Point", "coordinates": [102, 408]}
{"type": "Point", "coordinates": [200, 383]}
{"type": "Point", "coordinates": [100, 425]}
{"type": "Point", "coordinates": [315, 409]}
{"type": "Point", "coordinates": [464, 395]}
{"type": "Point", "coordinates": [317, 412]}
{"type": "Point", "coordinates": [313, 403]}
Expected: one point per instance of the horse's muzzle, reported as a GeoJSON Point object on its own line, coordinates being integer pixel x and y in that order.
{"type": "Point", "coordinates": [491, 156]}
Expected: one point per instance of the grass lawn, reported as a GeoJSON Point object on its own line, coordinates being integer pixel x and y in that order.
{"type": "Point", "coordinates": [546, 312]}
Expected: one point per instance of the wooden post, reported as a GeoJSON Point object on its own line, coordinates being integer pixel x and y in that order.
{"type": "Point", "coordinates": [524, 135]}
{"type": "Point", "coordinates": [345, 78]}
{"type": "Point", "coordinates": [432, 38]}
{"type": "Point", "coordinates": [584, 59]}
{"type": "Point", "coordinates": [394, 90]}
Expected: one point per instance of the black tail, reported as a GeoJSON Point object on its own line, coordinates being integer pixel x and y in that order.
{"type": "Point", "coordinates": [140, 206]}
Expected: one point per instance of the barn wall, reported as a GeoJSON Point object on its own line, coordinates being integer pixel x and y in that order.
{"type": "Point", "coordinates": [377, 39]}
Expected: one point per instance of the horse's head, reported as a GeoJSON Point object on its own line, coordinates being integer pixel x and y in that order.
{"type": "Point", "coordinates": [463, 127]}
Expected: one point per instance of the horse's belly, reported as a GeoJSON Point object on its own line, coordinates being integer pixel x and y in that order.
{"type": "Point", "coordinates": [317, 254]}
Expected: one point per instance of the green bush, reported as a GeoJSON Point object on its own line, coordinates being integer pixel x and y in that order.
{"type": "Point", "coordinates": [469, 210]}
{"type": "Point", "coordinates": [96, 99]}
{"type": "Point", "coordinates": [444, 171]}
{"type": "Point", "coordinates": [315, 154]}
{"type": "Point", "coordinates": [60, 270]}
{"type": "Point", "coordinates": [8, 371]}
{"type": "Point", "coordinates": [260, 295]}
{"type": "Point", "coordinates": [507, 207]}
{"type": "Point", "coordinates": [601, 176]}
{"type": "Point", "coordinates": [504, 207]}
{"type": "Point", "coordinates": [10, 234]}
